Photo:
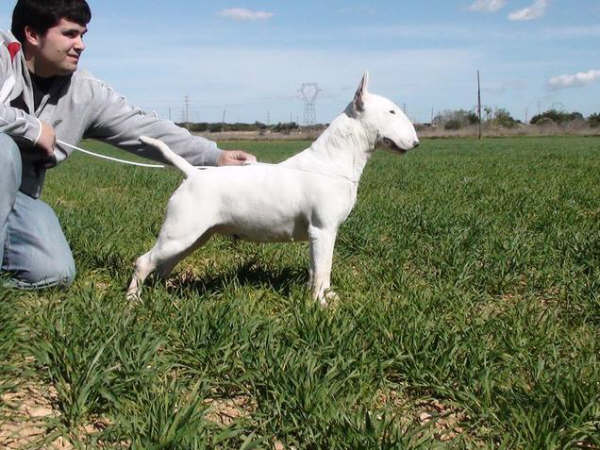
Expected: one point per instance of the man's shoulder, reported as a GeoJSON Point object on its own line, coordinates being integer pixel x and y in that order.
{"type": "Point", "coordinates": [9, 46]}
{"type": "Point", "coordinates": [6, 37]}
{"type": "Point", "coordinates": [83, 78]}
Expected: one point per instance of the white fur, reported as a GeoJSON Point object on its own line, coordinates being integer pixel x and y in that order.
{"type": "Point", "coordinates": [306, 197]}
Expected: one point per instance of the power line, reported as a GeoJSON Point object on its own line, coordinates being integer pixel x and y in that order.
{"type": "Point", "coordinates": [309, 93]}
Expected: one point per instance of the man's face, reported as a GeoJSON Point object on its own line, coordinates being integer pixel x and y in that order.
{"type": "Point", "coordinates": [57, 52]}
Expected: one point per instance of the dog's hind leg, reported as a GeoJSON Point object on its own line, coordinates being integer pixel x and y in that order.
{"type": "Point", "coordinates": [322, 242]}
{"type": "Point", "coordinates": [165, 254]}
{"type": "Point", "coordinates": [169, 261]}
{"type": "Point", "coordinates": [143, 267]}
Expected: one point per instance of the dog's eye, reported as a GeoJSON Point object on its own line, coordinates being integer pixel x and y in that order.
{"type": "Point", "coordinates": [392, 112]}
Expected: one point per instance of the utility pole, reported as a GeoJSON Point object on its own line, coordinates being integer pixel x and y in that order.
{"type": "Point", "coordinates": [479, 103]}
{"type": "Point", "coordinates": [187, 109]}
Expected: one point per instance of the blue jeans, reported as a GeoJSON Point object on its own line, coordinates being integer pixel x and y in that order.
{"type": "Point", "coordinates": [33, 250]}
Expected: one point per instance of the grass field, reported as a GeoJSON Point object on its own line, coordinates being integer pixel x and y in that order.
{"type": "Point", "coordinates": [469, 314]}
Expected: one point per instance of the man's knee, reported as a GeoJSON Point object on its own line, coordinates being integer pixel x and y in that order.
{"type": "Point", "coordinates": [57, 272]}
{"type": "Point", "coordinates": [42, 274]}
{"type": "Point", "coordinates": [37, 254]}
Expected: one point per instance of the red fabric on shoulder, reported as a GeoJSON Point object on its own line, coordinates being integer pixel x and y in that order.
{"type": "Point", "coordinates": [13, 49]}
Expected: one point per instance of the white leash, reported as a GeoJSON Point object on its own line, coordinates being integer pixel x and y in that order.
{"type": "Point", "coordinates": [87, 152]}
{"type": "Point", "coordinates": [110, 158]}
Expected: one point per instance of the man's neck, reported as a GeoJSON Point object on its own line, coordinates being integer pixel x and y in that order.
{"type": "Point", "coordinates": [36, 68]}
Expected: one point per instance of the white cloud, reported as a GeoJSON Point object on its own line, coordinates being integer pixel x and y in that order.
{"type": "Point", "coordinates": [535, 11]}
{"type": "Point", "coordinates": [245, 14]}
{"type": "Point", "coordinates": [487, 5]}
{"type": "Point", "coordinates": [577, 80]}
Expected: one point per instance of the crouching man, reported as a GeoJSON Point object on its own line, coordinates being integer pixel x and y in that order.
{"type": "Point", "coordinates": [44, 97]}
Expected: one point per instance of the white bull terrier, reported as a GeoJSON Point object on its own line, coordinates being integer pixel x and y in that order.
{"type": "Point", "coordinates": [305, 197]}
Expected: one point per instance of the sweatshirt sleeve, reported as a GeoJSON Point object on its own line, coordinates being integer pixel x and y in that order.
{"type": "Point", "coordinates": [13, 121]}
{"type": "Point", "coordinates": [20, 125]}
{"type": "Point", "coordinates": [114, 120]}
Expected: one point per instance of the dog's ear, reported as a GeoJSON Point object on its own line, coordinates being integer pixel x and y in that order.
{"type": "Point", "coordinates": [359, 103]}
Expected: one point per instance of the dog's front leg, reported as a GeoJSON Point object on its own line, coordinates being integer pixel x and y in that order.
{"type": "Point", "coordinates": [321, 257]}
{"type": "Point", "coordinates": [309, 283]}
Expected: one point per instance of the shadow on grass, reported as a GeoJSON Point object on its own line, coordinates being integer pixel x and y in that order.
{"type": "Point", "coordinates": [282, 281]}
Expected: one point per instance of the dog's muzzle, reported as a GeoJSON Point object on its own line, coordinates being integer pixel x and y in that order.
{"type": "Point", "coordinates": [391, 145]}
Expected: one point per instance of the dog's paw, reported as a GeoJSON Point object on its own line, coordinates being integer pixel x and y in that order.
{"type": "Point", "coordinates": [328, 298]}
{"type": "Point", "coordinates": [133, 293]}
{"type": "Point", "coordinates": [133, 297]}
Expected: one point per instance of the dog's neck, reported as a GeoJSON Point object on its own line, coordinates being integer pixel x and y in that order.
{"type": "Point", "coordinates": [343, 149]}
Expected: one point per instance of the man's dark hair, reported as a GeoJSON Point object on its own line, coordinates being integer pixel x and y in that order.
{"type": "Point", "coordinates": [41, 15]}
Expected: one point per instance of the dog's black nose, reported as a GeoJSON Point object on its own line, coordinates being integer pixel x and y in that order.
{"type": "Point", "coordinates": [416, 144]}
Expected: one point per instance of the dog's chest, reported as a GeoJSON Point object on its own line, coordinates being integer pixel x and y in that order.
{"type": "Point", "coordinates": [268, 231]}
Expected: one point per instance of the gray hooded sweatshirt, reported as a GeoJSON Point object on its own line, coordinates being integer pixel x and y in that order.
{"type": "Point", "coordinates": [80, 106]}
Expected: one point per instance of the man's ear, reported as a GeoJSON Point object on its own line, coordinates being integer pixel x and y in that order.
{"type": "Point", "coordinates": [359, 97]}
{"type": "Point", "coordinates": [32, 37]}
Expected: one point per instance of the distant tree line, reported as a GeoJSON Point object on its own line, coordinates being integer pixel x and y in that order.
{"type": "Point", "coordinates": [455, 120]}
{"type": "Point", "coordinates": [561, 118]}
{"type": "Point", "coordinates": [200, 127]}
{"type": "Point", "coordinates": [500, 117]}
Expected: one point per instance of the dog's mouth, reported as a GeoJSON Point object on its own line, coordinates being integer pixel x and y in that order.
{"type": "Point", "coordinates": [391, 145]}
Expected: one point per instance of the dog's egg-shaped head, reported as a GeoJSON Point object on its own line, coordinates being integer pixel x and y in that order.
{"type": "Point", "coordinates": [383, 118]}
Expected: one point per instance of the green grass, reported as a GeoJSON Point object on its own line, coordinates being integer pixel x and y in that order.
{"type": "Point", "coordinates": [469, 283]}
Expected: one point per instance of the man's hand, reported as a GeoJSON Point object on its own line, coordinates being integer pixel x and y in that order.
{"type": "Point", "coordinates": [235, 158]}
{"type": "Point", "coordinates": [47, 140]}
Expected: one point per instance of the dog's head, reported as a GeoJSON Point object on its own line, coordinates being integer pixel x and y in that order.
{"type": "Point", "coordinates": [384, 119]}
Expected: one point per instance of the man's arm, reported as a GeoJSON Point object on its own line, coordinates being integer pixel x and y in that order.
{"type": "Point", "coordinates": [115, 121]}
{"type": "Point", "coordinates": [19, 124]}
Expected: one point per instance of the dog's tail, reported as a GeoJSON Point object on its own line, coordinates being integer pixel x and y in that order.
{"type": "Point", "coordinates": [170, 155]}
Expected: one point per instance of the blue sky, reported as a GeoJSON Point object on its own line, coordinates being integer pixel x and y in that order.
{"type": "Point", "coordinates": [246, 60]}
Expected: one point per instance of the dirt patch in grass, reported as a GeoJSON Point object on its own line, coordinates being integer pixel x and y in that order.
{"type": "Point", "coordinates": [445, 422]}
{"type": "Point", "coordinates": [224, 411]}
{"type": "Point", "coordinates": [25, 416]}
{"type": "Point", "coordinates": [498, 305]}
{"type": "Point", "coordinates": [28, 418]}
